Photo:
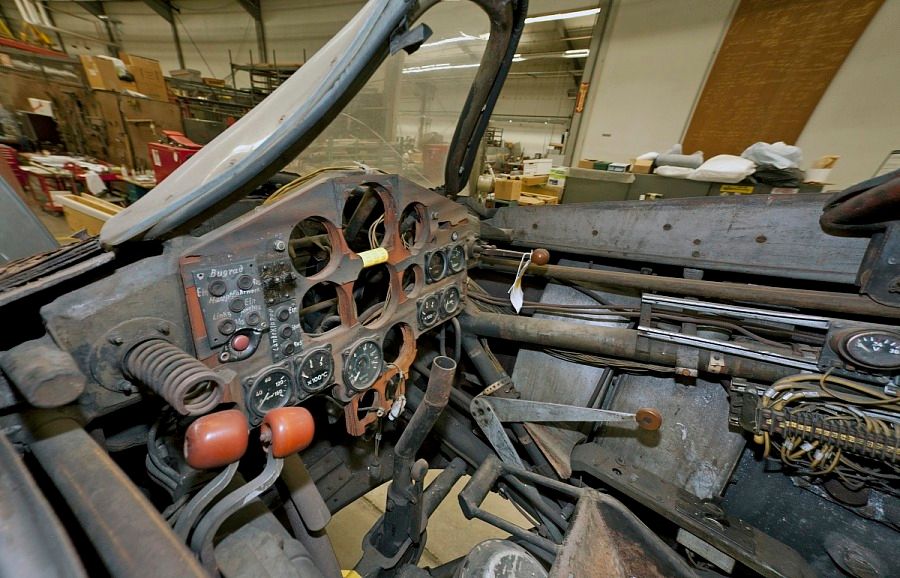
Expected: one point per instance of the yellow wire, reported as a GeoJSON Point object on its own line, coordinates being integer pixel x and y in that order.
{"type": "Point", "coordinates": [302, 179]}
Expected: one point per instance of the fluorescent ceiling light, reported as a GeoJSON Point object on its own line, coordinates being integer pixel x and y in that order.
{"type": "Point", "coordinates": [432, 67]}
{"type": "Point", "coordinates": [577, 53]}
{"type": "Point", "coordinates": [562, 16]}
{"type": "Point", "coordinates": [463, 37]}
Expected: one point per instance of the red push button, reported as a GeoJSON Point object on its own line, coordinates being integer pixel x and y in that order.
{"type": "Point", "coordinates": [240, 342]}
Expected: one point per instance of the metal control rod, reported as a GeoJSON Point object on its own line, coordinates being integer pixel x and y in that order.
{"type": "Point", "coordinates": [844, 303]}
{"type": "Point", "coordinates": [616, 342]}
{"type": "Point", "coordinates": [129, 534]}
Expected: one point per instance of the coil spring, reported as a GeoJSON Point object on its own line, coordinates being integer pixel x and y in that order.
{"type": "Point", "coordinates": [186, 384]}
{"type": "Point", "coordinates": [847, 436]}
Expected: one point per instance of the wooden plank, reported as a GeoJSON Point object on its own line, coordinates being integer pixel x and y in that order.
{"type": "Point", "coordinates": [529, 198]}
{"type": "Point", "coordinates": [774, 65]}
{"type": "Point", "coordinates": [131, 123]}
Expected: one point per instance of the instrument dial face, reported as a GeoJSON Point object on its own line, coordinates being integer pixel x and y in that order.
{"type": "Point", "coordinates": [428, 311]}
{"type": "Point", "coordinates": [437, 263]}
{"type": "Point", "coordinates": [364, 364]}
{"type": "Point", "coordinates": [457, 258]}
{"type": "Point", "coordinates": [451, 301]}
{"type": "Point", "coordinates": [316, 371]}
{"type": "Point", "coordinates": [874, 349]}
{"type": "Point", "coordinates": [272, 390]}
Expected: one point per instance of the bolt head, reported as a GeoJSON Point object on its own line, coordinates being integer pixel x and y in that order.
{"type": "Point", "coordinates": [279, 245]}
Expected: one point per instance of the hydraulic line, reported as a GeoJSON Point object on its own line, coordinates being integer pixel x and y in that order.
{"type": "Point", "coordinates": [128, 533]}
{"type": "Point", "coordinates": [617, 342]}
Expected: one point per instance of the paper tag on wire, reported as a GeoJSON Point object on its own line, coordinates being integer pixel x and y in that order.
{"type": "Point", "coordinates": [516, 294]}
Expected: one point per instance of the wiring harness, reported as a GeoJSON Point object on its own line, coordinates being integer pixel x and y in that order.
{"type": "Point", "coordinates": [825, 425]}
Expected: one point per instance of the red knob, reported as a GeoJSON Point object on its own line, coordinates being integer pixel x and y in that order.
{"type": "Point", "coordinates": [540, 256]}
{"type": "Point", "coordinates": [648, 418]}
{"type": "Point", "coordinates": [287, 430]}
{"type": "Point", "coordinates": [216, 440]}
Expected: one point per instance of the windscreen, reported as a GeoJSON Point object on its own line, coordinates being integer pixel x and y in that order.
{"type": "Point", "coordinates": [403, 119]}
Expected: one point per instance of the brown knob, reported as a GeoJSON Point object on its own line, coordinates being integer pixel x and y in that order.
{"type": "Point", "coordinates": [287, 430]}
{"type": "Point", "coordinates": [216, 440]}
{"type": "Point", "coordinates": [648, 418]}
{"type": "Point", "coordinates": [540, 256]}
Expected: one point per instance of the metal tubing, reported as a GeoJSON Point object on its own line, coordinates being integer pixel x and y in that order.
{"type": "Point", "coordinates": [457, 437]}
{"type": "Point", "coordinates": [436, 396]}
{"type": "Point", "coordinates": [32, 540]}
{"type": "Point", "coordinates": [441, 486]}
{"type": "Point", "coordinates": [308, 515]}
{"type": "Point", "coordinates": [844, 303]}
{"type": "Point", "coordinates": [609, 341]}
{"type": "Point", "coordinates": [43, 373]}
{"type": "Point", "coordinates": [491, 373]}
{"type": "Point", "coordinates": [128, 533]}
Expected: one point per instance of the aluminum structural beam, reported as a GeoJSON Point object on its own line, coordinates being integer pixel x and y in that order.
{"type": "Point", "coordinates": [95, 8]}
{"type": "Point", "coordinates": [590, 76]}
{"type": "Point", "coordinates": [254, 9]}
{"type": "Point", "coordinates": [167, 12]}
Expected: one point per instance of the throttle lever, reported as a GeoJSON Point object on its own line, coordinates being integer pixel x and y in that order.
{"type": "Point", "coordinates": [212, 441]}
{"type": "Point", "coordinates": [284, 431]}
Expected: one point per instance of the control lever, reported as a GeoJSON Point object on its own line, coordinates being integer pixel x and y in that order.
{"type": "Point", "coordinates": [397, 538]}
{"type": "Point", "coordinates": [212, 441]}
{"type": "Point", "coordinates": [284, 431]}
{"type": "Point", "coordinates": [538, 256]}
{"type": "Point", "coordinates": [491, 412]}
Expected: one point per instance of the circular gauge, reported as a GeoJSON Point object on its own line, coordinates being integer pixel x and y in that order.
{"type": "Point", "coordinates": [270, 391]}
{"type": "Point", "coordinates": [450, 301]}
{"type": "Point", "coordinates": [437, 265]}
{"type": "Point", "coordinates": [457, 259]}
{"type": "Point", "coordinates": [428, 311]}
{"type": "Point", "coordinates": [874, 349]}
{"type": "Point", "coordinates": [316, 371]}
{"type": "Point", "coordinates": [363, 366]}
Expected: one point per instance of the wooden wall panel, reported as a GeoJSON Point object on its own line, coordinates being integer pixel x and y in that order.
{"type": "Point", "coordinates": [775, 63]}
{"type": "Point", "coordinates": [131, 123]}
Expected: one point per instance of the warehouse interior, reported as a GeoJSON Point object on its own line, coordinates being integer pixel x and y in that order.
{"type": "Point", "coordinates": [450, 288]}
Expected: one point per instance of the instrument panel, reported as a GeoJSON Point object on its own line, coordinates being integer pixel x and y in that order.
{"type": "Point", "coordinates": [326, 291]}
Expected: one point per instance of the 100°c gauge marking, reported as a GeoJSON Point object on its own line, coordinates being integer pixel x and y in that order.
{"type": "Point", "coordinates": [316, 371]}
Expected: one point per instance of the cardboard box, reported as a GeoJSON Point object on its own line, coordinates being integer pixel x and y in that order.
{"type": "Point", "coordinates": [556, 182]}
{"type": "Point", "coordinates": [642, 166]}
{"type": "Point", "coordinates": [507, 189]}
{"type": "Point", "coordinates": [618, 167]}
{"type": "Point", "coordinates": [586, 163]}
{"type": "Point", "coordinates": [533, 167]}
{"type": "Point", "coordinates": [558, 176]}
{"type": "Point", "coordinates": [40, 106]}
{"type": "Point", "coordinates": [530, 181]}
{"type": "Point", "coordinates": [148, 76]}
{"type": "Point", "coordinates": [102, 75]}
